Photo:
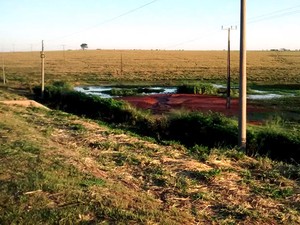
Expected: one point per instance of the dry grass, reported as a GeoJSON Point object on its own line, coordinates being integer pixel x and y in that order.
{"type": "Point", "coordinates": [58, 168]}
{"type": "Point", "coordinates": [102, 66]}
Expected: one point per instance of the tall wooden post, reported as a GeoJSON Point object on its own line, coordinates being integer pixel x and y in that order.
{"type": "Point", "coordinates": [243, 80]}
{"type": "Point", "coordinates": [228, 67]}
{"type": "Point", "coordinates": [42, 71]}
{"type": "Point", "coordinates": [3, 70]}
{"type": "Point", "coordinates": [64, 53]}
{"type": "Point", "coordinates": [228, 73]}
{"type": "Point", "coordinates": [121, 66]}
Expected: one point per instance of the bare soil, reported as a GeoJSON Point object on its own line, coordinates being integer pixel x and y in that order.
{"type": "Point", "coordinates": [25, 103]}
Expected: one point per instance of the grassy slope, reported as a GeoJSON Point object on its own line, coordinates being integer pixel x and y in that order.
{"type": "Point", "coordinates": [58, 168]}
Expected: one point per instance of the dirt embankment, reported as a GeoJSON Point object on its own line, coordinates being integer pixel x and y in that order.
{"type": "Point", "coordinates": [25, 103]}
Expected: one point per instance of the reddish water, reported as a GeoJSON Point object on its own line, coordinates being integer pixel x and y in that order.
{"type": "Point", "coordinates": [162, 103]}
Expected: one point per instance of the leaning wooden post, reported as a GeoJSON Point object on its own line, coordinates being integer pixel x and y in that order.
{"type": "Point", "coordinates": [42, 70]}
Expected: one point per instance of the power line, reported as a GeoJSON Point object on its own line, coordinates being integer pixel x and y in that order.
{"type": "Point", "coordinates": [271, 14]}
{"type": "Point", "coordinates": [274, 16]}
{"type": "Point", "coordinates": [192, 40]}
{"type": "Point", "coordinates": [124, 14]}
{"type": "Point", "coordinates": [256, 19]}
{"type": "Point", "coordinates": [109, 20]}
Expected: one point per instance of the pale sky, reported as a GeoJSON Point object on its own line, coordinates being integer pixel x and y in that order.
{"type": "Point", "coordinates": [146, 24]}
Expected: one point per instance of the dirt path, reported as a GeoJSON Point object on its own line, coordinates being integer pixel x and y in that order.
{"type": "Point", "coordinates": [25, 103]}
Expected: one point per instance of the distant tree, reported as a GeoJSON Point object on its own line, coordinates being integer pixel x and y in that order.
{"type": "Point", "coordinates": [84, 46]}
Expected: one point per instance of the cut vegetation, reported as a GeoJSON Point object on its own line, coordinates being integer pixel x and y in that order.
{"type": "Point", "coordinates": [83, 161]}
{"type": "Point", "coordinates": [58, 168]}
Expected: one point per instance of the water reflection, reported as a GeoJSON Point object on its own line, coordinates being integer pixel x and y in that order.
{"type": "Point", "coordinates": [103, 91]}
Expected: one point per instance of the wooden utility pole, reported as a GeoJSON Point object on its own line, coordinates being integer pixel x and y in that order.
{"type": "Point", "coordinates": [243, 80]}
{"type": "Point", "coordinates": [3, 69]}
{"type": "Point", "coordinates": [42, 70]}
{"type": "Point", "coordinates": [64, 53]}
{"type": "Point", "coordinates": [228, 67]}
{"type": "Point", "coordinates": [121, 66]}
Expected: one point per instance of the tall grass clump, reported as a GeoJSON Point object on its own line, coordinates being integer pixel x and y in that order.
{"type": "Point", "coordinates": [63, 97]}
{"type": "Point", "coordinates": [277, 144]}
{"type": "Point", "coordinates": [274, 140]}
{"type": "Point", "coordinates": [54, 91]}
{"type": "Point", "coordinates": [198, 88]}
{"type": "Point", "coordinates": [195, 128]}
{"type": "Point", "coordinates": [188, 128]}
{"type": "Point", "coordinates": [131, 91]}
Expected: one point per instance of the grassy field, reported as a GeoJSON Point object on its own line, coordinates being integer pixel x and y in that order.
{"type": "Point", "coordinates": [57, 168]}
{"type": "Point", "coordinates": [105, 66]}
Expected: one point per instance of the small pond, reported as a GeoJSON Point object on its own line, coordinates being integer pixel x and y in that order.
{"type": "Point", "coordinates": [265, 95]}
{"type": "Point", "coordinates": [118, 91]}
{"type": "Point", "coordinates": [106, 91]}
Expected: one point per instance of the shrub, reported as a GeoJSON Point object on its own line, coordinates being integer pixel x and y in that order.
{"type": "Point", "coordinates": [188, 128]}
{"type": "Point", "coordinates": [200, 152]}
{"type": "Point", "coordinates": [199, 88]}
{"type": "Point", "coordinates": [61, 96]}
{"type": "Point", "coordinates": [131, 91]}
{"type": "Point", "coordinates": [278, 145]}
{"type": "Point", "coordinates": [196, 128]}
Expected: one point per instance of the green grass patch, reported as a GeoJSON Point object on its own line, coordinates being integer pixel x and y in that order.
{"type": "Point", "coordinates": [188, 128]}
{"type": "Point", "coordinates": [206, 176]}
{"type": "Point", "coordinates": [198, 88]}
{"type": "Point", "coordinates": [85, 173]}
{"type": "Point", "coordinates": [132, 91]}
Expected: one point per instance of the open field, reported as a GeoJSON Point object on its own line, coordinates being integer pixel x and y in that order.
{"type": "Point", "coordinates": [115, 66]}
{"type": "Point", "coordinates": [57, 168]}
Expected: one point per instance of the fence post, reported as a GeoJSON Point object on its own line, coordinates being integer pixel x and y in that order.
{"type": "Point", "coordinates": [3, 70]}
{"type": "Point", "coordinates": [42, 70]}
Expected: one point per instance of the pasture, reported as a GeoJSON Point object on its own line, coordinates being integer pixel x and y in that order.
{"type": "Point", "coordinates": [151, 66]}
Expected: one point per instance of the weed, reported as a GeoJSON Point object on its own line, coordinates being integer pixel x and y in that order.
{"type": "Point", "coordinates": [275, 122]}
{"type": "Point", "coordinates": [246, 174]}
{"type": "Point", "coordinates": [200, 152]}
{"type": "Point", "coordinates": [78, 128]}
{"type": "Point", "coordinates": [207, 176]}
{"type": "Point", "coordinates": [92, 181]}
{"type": "Point", "coordinates": [182, 184]}
{"type": "Point", "coordinates": [156, 175]}
{"type": "Point", "coordinates": [273, 191]}
{"type": "Point", "coordinates": [25, 146]}
{"type": "Point", "coordinates": [235, 154]}
{"type": "Point", "coordinates": [289, 171]}
{"type": "Point", "coordinates": [103, 145]}
{"type": "Point", "coordinates": [121, 158]}
{"type": "Point", "coordinates": [199, 196]}
{"type": "Point", "coordinates": [198, 88]}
